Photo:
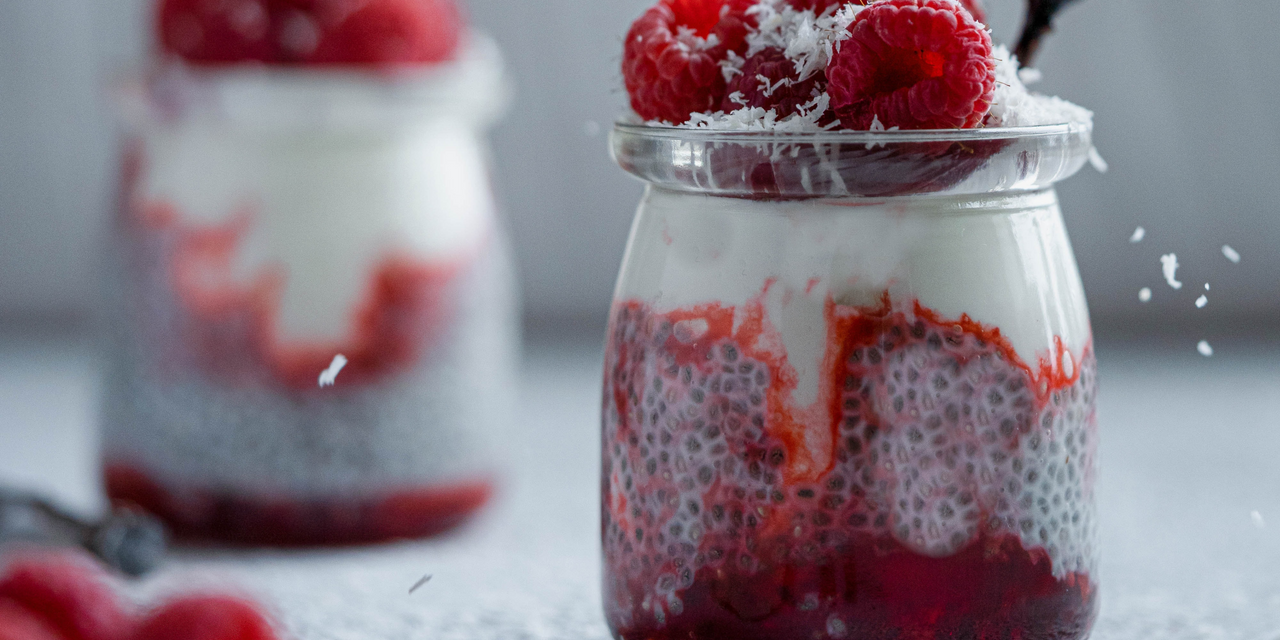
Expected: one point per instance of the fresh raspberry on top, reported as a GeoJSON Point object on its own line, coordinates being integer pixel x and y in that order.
{"type": "Point", "coordinates": [206, 618]}
{"type": "Point", "coordinates": [17, 623]}
{"type": "Point", "coordinates": [318, 32]}
{"type": "Point", "coordinates": [914, 64]}
{"type": "Point", "coordinates": [824, 6]}
{"type": "Point", "coordinates": [207, 32]}
{"type": "Point", "coordinates": [68, 596]}
{"type": "Point", "coordinates": [821, 6]}
{"type": "Point", "coordinates": [377, 32]}
{"type": "Point", "coordinates": [769, 80]}
{"type": "Point", "coordinates": [671, 62]}
{"type": "Point", "coordinates": [976, 10]}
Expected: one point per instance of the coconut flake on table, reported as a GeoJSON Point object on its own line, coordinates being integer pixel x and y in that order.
{"type": "Point", "coordinates": [1138, 235]}
{"type": "Point", "coordinates": [1202, 301]}
{"type": "Point", "coordinates": [1231, 254]}
{"type": "Point", "coordinates": [1204, 349]}
{"type": "Point", "coordinates": [1144, 295]}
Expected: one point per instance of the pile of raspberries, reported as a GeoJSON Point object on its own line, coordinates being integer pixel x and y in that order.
{"type": "Point", "coordinates": [68, 598]}
{"type": "Point", "coordinates": [310, 32]}
{"type": "Point", "coordinates": [912, 64]}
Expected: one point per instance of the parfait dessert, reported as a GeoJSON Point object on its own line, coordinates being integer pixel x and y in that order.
{"type": "Point", "coordinates": [313, 315]}
{"type": "Point", "coordinates": [849, 378]}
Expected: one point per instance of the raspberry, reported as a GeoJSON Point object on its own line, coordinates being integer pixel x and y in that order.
{"type": "Point", "coordinates": [207, 32]}
{"type": "Point", "coordinates": [768, 80]}
{"type": "Point", "coordinates": [69, 596]}
{"type": "Point", "coordinates": [320, 32]}
{"type": "Point", "coordinates": [671, 62]}
{"type": "Point", "coordinates": [915, 64]}
{"type": "Point", "coordinates": [385, 32]}
{"type": "Point", "coordinates": [206, 618]}
{"type": "Point", "coordinates": [17, 623]}
{"type": "Point", "coordinates": [819, 6]}
{"type": "Point", "coordinates": [824, 6]}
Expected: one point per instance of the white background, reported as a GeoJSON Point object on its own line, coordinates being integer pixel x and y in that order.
{"type": "Point", "coordinates": [1186, 94]}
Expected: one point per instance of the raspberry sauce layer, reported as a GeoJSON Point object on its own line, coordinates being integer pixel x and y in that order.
{"type": "Point", "coordinates": [939, 486]}
{"type": "Point", "coordinates": [213, 416]}
{"type": "Point", "coordinates": [227, 325]}
{"type": "Point", "coordinates": [229, 516]}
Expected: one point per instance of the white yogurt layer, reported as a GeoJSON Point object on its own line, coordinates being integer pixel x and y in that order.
{"type": "Point", "coordinates": [1007, 265]}
{"type": "Point", "coordinates": [366, 168]}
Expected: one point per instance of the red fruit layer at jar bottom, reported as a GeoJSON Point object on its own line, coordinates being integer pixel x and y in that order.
{"type": "Point", "coordinates": [226, 517]}
{"type": "Point", "coordinates": [879, 590]}
{"type": "Point", "coordinates": [937, 486]}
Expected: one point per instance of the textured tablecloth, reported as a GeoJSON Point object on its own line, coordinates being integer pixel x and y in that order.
{"type": "Point", "coordinates": [1190, 450]}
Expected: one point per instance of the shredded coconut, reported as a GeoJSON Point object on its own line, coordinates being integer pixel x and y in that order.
{"type": "Point", "coordinates": [809, 40]}
{"type": "Point", "coordinates": [1145, 295]}
{"type": "Point", "coordinates": [1169, 263]}
{"type": "Point", "coordinates": [1099, 163]}
{"type": "Point", "coordinates": [1204, 349]}
{"type": "Point", "coordinates": [1138, 235]}
{"type": "Point", "coordinates": [876, 125]}
{"type": "Point", "coordinates": [329, 376]}
{"type": "Point", "coordinates": [1202, 301]}
{"type": "Point", "coordinates": [1014, 106]}
{"type": "Point", "coordinates": [1230, 253]}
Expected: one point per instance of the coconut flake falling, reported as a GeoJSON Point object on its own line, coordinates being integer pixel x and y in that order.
{"type": "Point", "coordinates": [1230, 253]}
{"type": "Point", "coordinates": [329, 376]}
{"type": "Point", "coordinates": [1138, 235]}
{"type": "Point", "coordinates": [1258, 521]}
{"type": "Point", "coordinates": [1169, 263]}
{"type": "Point", "coordinates": [1202, 301]}
{"type": "Point", "coordinates": [1097, 161]}
{"type": "Point", "coordinates": [1144, 295]}
{"type": "Point", "coordinates": [1204, 349]}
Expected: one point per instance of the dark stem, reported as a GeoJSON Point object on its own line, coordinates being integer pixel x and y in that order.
{"type": "Point", "coordinates": [126, 540]}
{"type": "Point", "coordinates": [1038, 23]}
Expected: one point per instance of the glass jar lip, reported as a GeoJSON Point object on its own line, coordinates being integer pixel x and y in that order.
{"type": "Point", "coordinates": [472, 87]}
{"type": "Point", "coordinates": [846, 136]}
{"type": "Point", "coordinates": [783, 165]}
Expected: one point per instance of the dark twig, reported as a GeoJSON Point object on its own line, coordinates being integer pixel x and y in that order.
{"type": "Point", "coordinates": [1039, 22]}
{"type": "Point", "coordinates": [129, 541]}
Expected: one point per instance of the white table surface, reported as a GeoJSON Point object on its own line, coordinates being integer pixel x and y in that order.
{"type": "Point", "coordinates": [1191, 447]}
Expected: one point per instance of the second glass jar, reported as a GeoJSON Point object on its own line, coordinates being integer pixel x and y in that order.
{"type": "Point", "coordinates": [314, 318]}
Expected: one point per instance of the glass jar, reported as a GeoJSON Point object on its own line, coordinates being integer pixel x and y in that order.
{"type": "Point", "coordinates": [276, 224]}
{"type": "Point", "coordinates": [849, 389]}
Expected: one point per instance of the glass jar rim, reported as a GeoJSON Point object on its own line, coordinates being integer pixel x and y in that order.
{"type": "Point", "coordinates": [472, 87]}
{"type": "Point", "coordinates": [785, 165]}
